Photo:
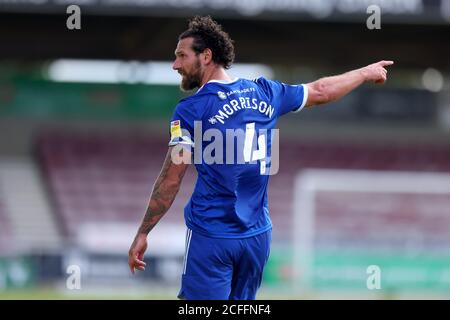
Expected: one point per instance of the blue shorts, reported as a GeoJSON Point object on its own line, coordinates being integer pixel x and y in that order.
{"type": "Point", "coordinates": [223, 269]}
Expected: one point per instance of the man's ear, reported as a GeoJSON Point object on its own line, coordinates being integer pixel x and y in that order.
{"type": "Point", "coordinates": [207, 56]}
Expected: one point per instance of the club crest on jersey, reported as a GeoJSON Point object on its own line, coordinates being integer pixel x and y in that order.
{"type": "Point", "coordinates": [222, 95]}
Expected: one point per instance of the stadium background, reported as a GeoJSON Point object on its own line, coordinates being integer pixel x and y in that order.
{"type": "Point", "coordinates": [84, 127]}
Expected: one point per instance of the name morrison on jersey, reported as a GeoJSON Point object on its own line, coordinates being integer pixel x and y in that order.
{"type": "Point", "coordinates": [228, 109]}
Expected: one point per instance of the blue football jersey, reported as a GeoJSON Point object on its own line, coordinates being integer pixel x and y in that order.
{"type": "Point", "coordinates": [228, 126]}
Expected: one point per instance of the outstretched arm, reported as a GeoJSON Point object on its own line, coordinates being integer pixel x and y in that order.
{"type": "Point", "coordinates": [164, 191]}
{"type": "Point", "coordinates": [332, 88]}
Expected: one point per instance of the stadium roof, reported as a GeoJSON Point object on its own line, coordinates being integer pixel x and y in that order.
{"type": "Point", "coordinates": [328, 34]}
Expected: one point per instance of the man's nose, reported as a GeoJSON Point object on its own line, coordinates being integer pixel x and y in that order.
{"type": "Point", "coordinates": [176, 65]}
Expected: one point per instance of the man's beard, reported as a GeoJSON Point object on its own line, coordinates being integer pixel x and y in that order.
{"type": "Point", "coordinates": [192, 81]}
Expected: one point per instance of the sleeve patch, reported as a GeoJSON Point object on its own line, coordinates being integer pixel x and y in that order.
{"type": "Point", "coordinates": [175, 129]}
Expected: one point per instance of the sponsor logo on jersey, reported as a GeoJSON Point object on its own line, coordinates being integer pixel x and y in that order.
{"type": "Point", "coordinates": [222, 95]}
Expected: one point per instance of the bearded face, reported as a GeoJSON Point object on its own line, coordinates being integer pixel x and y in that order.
{"type": "Point", "coordinates": [191, 78]}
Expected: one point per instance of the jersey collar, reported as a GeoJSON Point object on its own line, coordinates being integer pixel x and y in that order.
{"type": "Point", "coordinates": [218, 81]}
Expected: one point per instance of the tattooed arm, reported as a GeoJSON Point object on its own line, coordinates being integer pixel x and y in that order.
{"type": "Point", "coordinates": [164, 191]}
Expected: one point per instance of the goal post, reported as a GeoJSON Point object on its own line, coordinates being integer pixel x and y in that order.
{"type": "Point", "coordinates": [346, 221]}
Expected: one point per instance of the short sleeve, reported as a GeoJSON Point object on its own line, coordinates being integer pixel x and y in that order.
{"type": "Point", "coordinates": [182, 125]}
{"type": "Point", "coordinates": [287, 98]}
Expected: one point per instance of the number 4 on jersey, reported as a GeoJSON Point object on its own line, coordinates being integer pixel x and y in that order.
{"type": "Point", "coordinates": [258, 154]}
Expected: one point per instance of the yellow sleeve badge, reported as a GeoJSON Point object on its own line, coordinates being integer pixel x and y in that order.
{"type": "Point", "coordinates": [176, 135]}
{"type": "Point", "coordinates": [175, 129]}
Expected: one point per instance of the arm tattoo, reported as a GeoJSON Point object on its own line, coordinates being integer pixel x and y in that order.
{"type": "Point", "coordinates": [164, 191]}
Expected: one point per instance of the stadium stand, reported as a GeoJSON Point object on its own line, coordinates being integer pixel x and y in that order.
{"type": "Point", "coordinates": [5, 229]}
{"type": "Point", "coordinates": [98, 177]}
{"type": "Point", "coordinates": [28, 218]}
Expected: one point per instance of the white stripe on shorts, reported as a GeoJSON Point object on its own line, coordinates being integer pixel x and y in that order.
{"type": "Point", "coordinates": [188, 242]}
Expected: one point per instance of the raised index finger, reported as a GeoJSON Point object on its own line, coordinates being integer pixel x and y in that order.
{"type": "Point", "coordinates": [385, 63]}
